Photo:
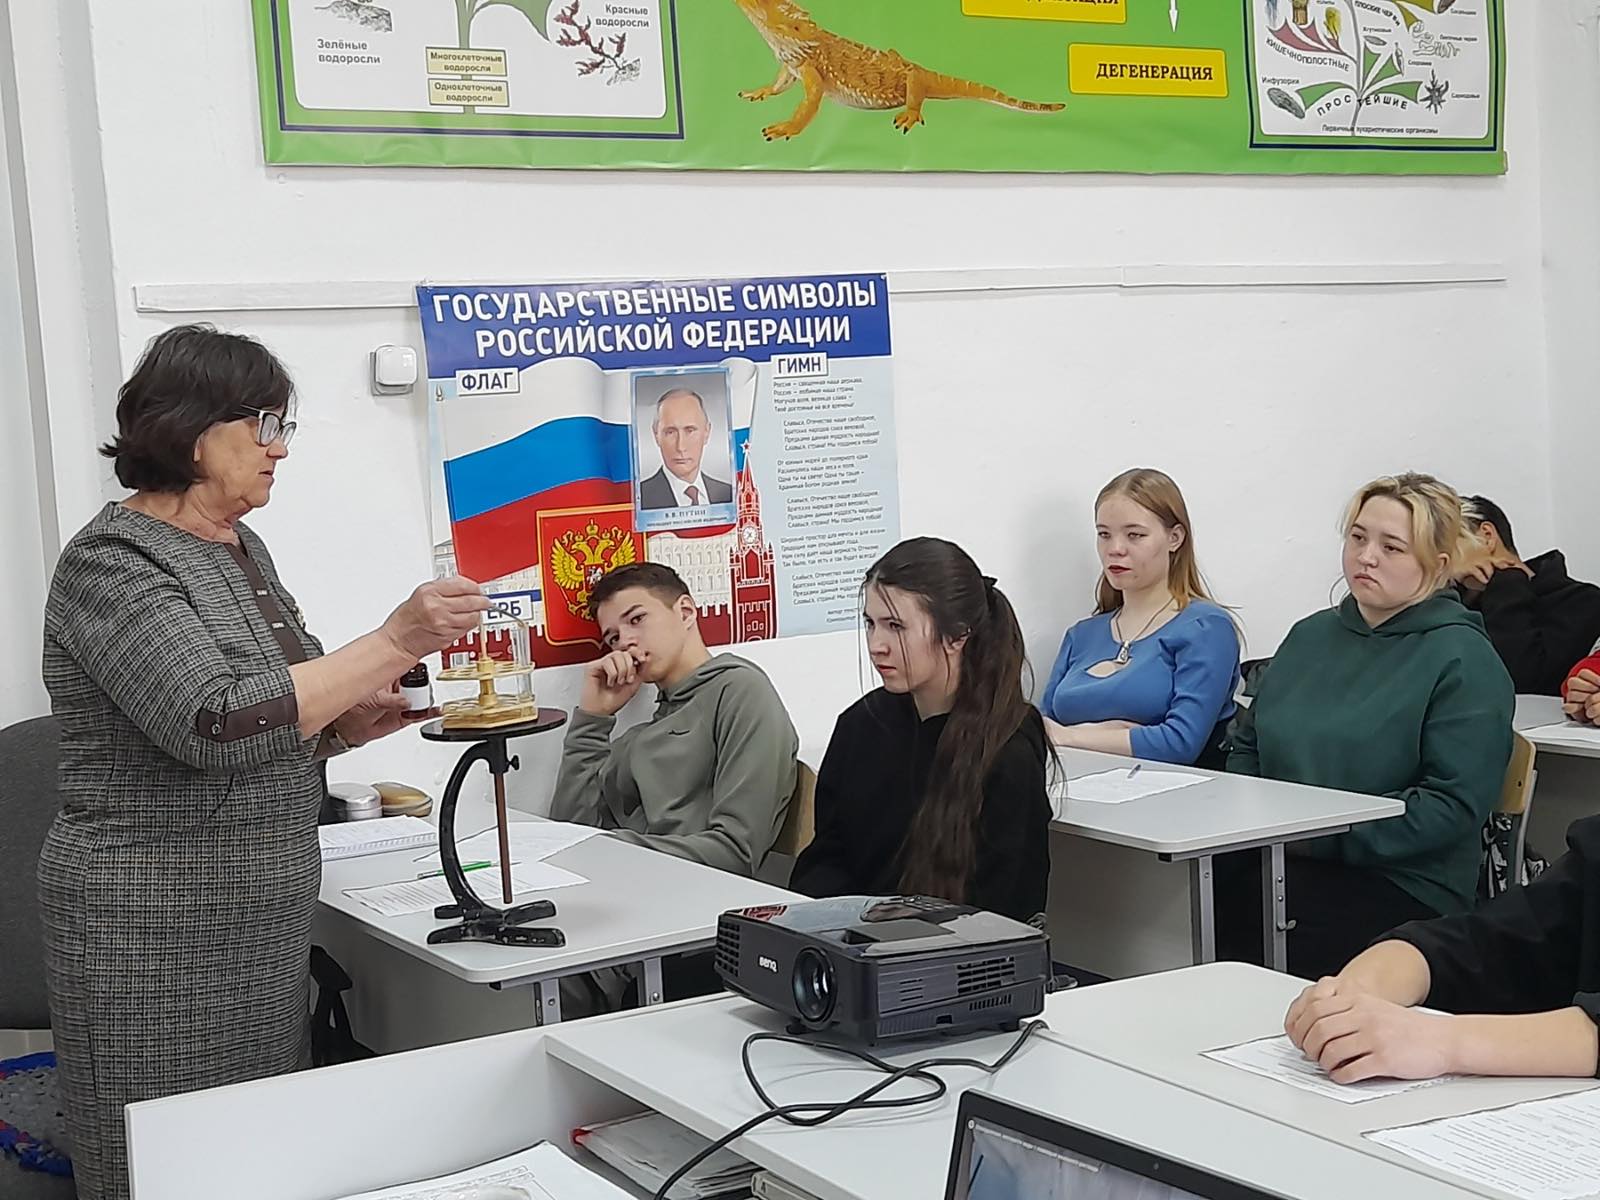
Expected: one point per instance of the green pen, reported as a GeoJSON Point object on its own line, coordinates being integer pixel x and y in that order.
{"type": "Point", "coordinates": [471, 866]}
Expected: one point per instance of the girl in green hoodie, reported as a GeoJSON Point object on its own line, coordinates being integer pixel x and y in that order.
{"type": "Point", "coordinates": [1396, 692]}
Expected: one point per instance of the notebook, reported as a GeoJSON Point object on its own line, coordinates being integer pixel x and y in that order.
{"type": "Point", "coordinates": [650, 1147]}
{"type": "Point", "coordinates": [542, 1173]}
{"type": "Point", "coordinates": [354, 839]}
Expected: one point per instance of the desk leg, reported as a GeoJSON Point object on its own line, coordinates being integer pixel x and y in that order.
{"type": "Point", "coordinates": [651, 991]}
{"type": "Point", "coordinates": [547, 1002]}
{"type": "Point", "coordinates": [1274, 913]}
{"type": "Point", "coordinates": [1203, 909]}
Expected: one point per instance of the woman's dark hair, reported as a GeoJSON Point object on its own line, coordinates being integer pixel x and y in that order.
{"type": "Point", "coordinates": [189, 378]}
{"type": "Point", "coordinates": [941, 847]}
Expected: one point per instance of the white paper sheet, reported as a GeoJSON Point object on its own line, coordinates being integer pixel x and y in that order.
{"type": "Point", "coordinates": [1118, 787]}
{"type": "Point", "coordinates": [1541, 1150]}
{"type": "Point", "coordinates": [420, 895]}
{"type": "Point", "coordinates": [531, 841]}
{"type": "Point", "coordinates": [543, 1173]}
{"type": "Point", "coordinates": [1565, 731]}
{"type": "Point", "coordinates": [650, 1147]}
{"type": "Point", "coordinates": [353, 839]}
{"type": "Point", "coordinates": [1277, 1058]}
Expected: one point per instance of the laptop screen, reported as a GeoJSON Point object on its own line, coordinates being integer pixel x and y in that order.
{"type": "Point", "coordinates": [1003, 1152]}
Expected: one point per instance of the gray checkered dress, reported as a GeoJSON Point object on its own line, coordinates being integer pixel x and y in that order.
{"type": "Point", "coordinates": [178, 883]}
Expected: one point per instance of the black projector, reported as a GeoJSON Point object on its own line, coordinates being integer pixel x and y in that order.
{"type": "Point", "coordinates": [875, 969]}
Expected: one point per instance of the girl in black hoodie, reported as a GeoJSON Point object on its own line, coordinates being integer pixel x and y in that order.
{"type": "Point", "coordinates": [935, 783]}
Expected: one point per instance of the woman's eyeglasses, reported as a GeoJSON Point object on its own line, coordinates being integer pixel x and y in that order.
{"type": "Point", "coordinates": [271, 427]}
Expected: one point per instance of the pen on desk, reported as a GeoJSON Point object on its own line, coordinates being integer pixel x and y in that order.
{"type": "Point", "coordinates": [472, 866]}
{"type": "Point", "coordinates": [1137, 767]}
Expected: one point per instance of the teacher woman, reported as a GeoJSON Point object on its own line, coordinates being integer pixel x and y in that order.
{"type": "Point", "coordinates": [178, 882]}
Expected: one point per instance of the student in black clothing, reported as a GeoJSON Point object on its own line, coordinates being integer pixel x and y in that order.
{"type": "Point", "coordinates": [1539, 618]}
{"type": "Point", "coordinates": [1530, 959]}
{"type": "Point", "coordinates": [935, 783]}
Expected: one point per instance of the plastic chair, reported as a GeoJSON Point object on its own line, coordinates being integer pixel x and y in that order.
{"type": "Point", "coordinates": [1516, 799]}
{"type": "Point", "coordinates": [800, 825]}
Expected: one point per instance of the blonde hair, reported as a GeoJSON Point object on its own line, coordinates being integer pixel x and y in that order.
{"type": "Point", "coordinates": [1439, 524]}
{"type": "Point", "coordinates": [1157, 494]}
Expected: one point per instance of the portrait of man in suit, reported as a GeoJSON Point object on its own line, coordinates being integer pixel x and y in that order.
{"type": "Point", "coordinates": [682, 428]}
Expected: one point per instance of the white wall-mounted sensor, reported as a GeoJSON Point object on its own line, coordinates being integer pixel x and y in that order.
{"type": "Point", "coordinates": [394, 370]}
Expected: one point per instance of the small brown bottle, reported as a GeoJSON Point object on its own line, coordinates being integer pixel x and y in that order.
{"type": "Point", "coordinates": [417, 690]}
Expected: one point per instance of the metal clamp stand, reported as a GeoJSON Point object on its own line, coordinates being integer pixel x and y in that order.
{"type": "Point", "coordinates": [477, 920]}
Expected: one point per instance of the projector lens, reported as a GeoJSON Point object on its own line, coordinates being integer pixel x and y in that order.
{"type": "Point", "coordinates": [813, 986]}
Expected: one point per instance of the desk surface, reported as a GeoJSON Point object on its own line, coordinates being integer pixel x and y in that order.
{"type": "Point", "coordinates": [683, 1060]}
{"type": "Point", "coordinates": [1160, 1025]}
{"type": "Point", "coordinates": [1226, 812]}
{"type": "Point", "coordinates": [491, 1096]}
{"type": "Point", "coordinates": [1534, 711]}
{"type": "Point", "coordinates": [637, 904]}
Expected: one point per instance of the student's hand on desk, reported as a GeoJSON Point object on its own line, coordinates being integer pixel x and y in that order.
{"type": "Point", "coordinates": [1582, 702]}
{"type": "Point", "coordinates": [609, 683]}
{"type": "Point", "coordinates": [1353, 1035]}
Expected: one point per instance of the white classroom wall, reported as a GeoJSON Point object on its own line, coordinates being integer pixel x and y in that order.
{"type": "Point", "coordinates": [22, 532]}
{"type": "Point", "coordinates": [1269, 404]}
{"type": "Point", "coordinates": [1569, 103]}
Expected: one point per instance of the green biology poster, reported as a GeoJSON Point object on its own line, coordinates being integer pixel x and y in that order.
{"type": "Point", "coordinates": [1212, 86]}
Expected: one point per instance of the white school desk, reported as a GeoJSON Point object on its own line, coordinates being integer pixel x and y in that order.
{"type": "Point", "coordinates": [319, 1135]}
{"type": "Point", "coordinates": [1535, 711]}
{"type": "Point", "coordinates": [638, 907]}
{"type": "Point", "coordinates": [1113, 913]}
{"type": "Point", "coordinates": [1160, 1025]}
{"type": "Point", "coordinates": [1568, 777]}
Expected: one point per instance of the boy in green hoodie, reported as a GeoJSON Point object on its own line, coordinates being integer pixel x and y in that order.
{"type": "Point", "coordinates": [707, 778]}
{"type": "Point", "coordinates": [1397, 692]}
{"type": "Point", "coordinates": [710, 775]}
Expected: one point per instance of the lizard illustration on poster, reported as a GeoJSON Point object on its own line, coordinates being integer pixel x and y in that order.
{"type": "Point", "coordinates": [828, 66]}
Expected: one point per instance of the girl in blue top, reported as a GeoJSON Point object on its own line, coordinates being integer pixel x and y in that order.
{"type": "Point", "coordinates": [1152, 673]}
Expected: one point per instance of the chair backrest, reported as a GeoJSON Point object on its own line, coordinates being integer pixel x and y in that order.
{"type": "Point", "coordinates": [800, 826]}
{"type": "Point", "coordinates": [1517, 790]}
{"type": "Point", "coordinates": [1215, 755]}
{"type": "Point", "coordinates": [28, 804]}
{"type": "Point", "coordinates": [1250, 673]}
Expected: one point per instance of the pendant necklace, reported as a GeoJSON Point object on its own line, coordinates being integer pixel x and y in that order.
{"type": "Point", "coordinates": [1125, 653]}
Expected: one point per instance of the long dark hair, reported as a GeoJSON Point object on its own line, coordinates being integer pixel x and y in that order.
{"type": "Point", "coordinates": [941, 847]}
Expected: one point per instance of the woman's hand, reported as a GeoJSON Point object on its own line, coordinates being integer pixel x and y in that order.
{"type": "Point", "coordinates": [1354, 1035]}
{"type": "Point", "coordinates": [437, 614]}
{"type": "Point", "coordinates": [1072, 736]}
{"type": "Point", "coordinates": [376, 717]}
